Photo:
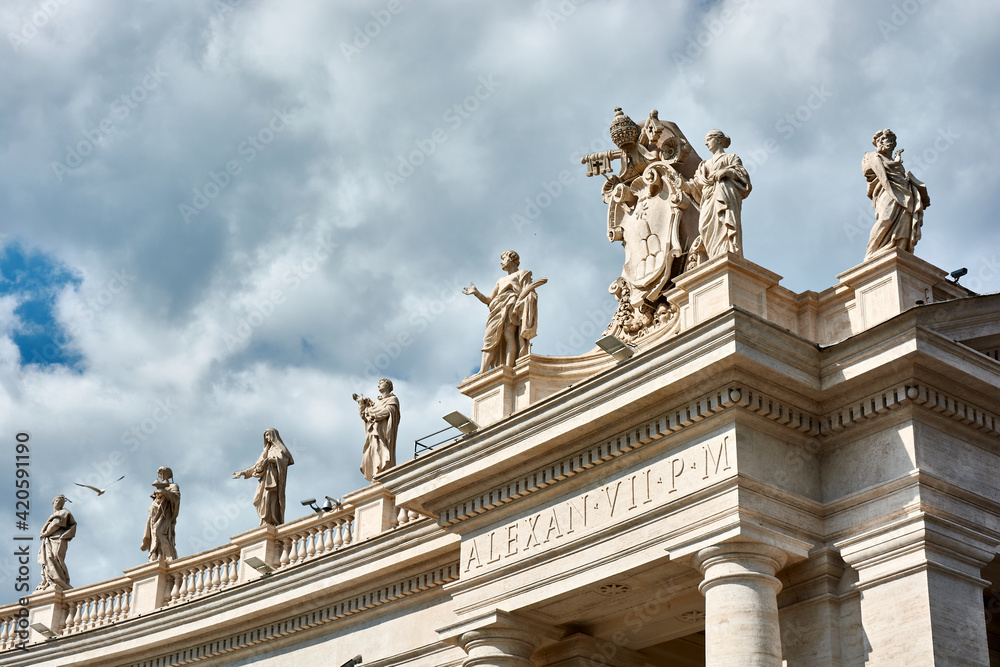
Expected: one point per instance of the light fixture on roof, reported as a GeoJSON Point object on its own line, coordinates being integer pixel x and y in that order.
{"type": "Point", "coordinates": [43, 630]}
{"type": "Point", "coordinates": [356, 660]}
{"type": "Point", "coordinates": [958, 273]}
{"type": "Point", "coordinates": [616, 347]}
{"type": "Point", "coordinates": [461, 422]}
{"type": "Point", "coordinates": [259, 565]}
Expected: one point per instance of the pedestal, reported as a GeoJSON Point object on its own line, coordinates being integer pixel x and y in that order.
{"type": "Point", "coordinates": [374, 511]}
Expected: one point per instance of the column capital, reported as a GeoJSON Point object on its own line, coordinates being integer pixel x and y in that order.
{"type": "Point", "coordinates": [498, 639]}
{"type": "Point", "coordinates": [741, 560]}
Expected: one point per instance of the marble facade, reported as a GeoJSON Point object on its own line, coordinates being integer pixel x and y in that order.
{"type": "Point", "coordinates": [786, 479]}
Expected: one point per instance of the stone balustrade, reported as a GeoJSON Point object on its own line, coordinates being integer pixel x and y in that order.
{"type": "Point", "coordinates": [161, 584]}
{"type": "Point", "coordinates": [96, 606]}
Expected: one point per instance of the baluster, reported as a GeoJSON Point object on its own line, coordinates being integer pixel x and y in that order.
{"type": "Point", "coordinates": [401, 516]}
{"type": "Point", "coordinates": [182, 595]}
{"type": "Point", "coordinates": [311, 540]}
{"type": "Point", "coordinates": [126, 604]}
{"type": "Point", "coordinates": [286, 546]}
{"type": "Point", "coordinates": [327, 537]}
{"type": "Point", "coordinates": [217, 574]}
{"type": "Point", "coordinates": [78, 619]}
{"type": "Point", "coordinates": [72, 618]}
{"type": "Point", "coordinates": [199, 577]}
{"type": "Point", "coordinates": [102, 610]}
{"type": "Point", "coordinates": [234, 573]}
{"type": "Point", "coordinates": [5, 635]}
{"type": "Point", "coordinates": [348, 535]}
{"type": "Point", "coordinates": [413, 515]}
{"type": "Point", "coordinates": [175, 590]}
{"type": "Point", "coordinates": [294, 556]}
{"type": "Point", "coordinates": [87, 609]}
{"type": "Point", "coordinates": [116, 606]}
{"type": "Point", "coordinates": [338, 529]}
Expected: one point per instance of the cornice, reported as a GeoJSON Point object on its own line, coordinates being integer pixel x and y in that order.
{"type": "Point", "coordinates": [731, 396]}
{"type": "Point", "coordinates": [286, 627]}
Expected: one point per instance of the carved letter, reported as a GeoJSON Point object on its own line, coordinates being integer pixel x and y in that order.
{"type": "Point", "coordinates": [675, 472]}
{"type": "Point", "coordinates": [511, 539]}
{"type": "Point", "coordinates": [582, 515]}
{"type": "Point", "coordinates": [553, 525]}
{"type": "Point", "coordinates": [632, 481]}
{"type": "Point", "coordinates": [611, 501]}
{"type": "Point", "coordinates": [473, 556]}
{"type": "Point", "coordinates": [532, 524]}
{"type": "Point", "coordinates": [496, 557]}
{"type": "Point", "coordinates": [649, 496]}
{"type": "Point", "coordinates": [717, 460]}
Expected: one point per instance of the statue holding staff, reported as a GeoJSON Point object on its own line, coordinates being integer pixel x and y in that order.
{"type": "Point", "coordinates": [898, 198]}
{"type": "Point", "coordinates": [513, 318]}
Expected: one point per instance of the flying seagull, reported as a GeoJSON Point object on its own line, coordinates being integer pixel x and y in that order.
{"type": "Point", "coordinates": [100, 492]}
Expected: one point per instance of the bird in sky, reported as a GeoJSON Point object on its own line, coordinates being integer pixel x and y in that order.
{"type": "Point", "coordinates": [100, 492]}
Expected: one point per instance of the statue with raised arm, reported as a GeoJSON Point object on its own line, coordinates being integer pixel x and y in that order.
{"type": "Point", "coordinates": [58, 530]}
{"type": "Point", "coordinates": [651, 213]}
{"type": "Point", "coordinates": [898, 198]}
{"type": "Point", "coordinates": [271, 469]}
{"type": "Point", "coordinates": [381, 418]}
{"type": "Point", "coordinates": [513, 318]}
{"type": "Point", "coordinates": [720, 185]}
{"type": "Point", "coordinates": [160, 538]}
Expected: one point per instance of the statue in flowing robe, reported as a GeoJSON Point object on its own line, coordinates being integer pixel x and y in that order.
{"type": "Point", "coordinates": [898, 198]}
{"type": "Point", "coordinates": [720, 185]}
{"type": "Point", "coordinates": [58, 530]}
{"type": "Point", "coordinates": [271, 469]}
{"type": "Point", "coordinates": [159, 538]}
{"type": "Point", "coordinates": [513, 318]}
{"type": "Point", "coordinates": [381, 418]}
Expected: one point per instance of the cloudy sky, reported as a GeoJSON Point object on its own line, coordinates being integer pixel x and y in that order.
{"type": "Point", "coordinates": [223, 217]}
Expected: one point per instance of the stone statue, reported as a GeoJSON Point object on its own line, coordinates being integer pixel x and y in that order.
{"type": "Point", "coordinates": [513, 318]}
{"type": "Point", "coordinates": [160, 539]}
{"type": "Point", "coordinates": [650, 213]}
{"type": "Point", "coordinates": [898, 198]}
{"type": "Point", "coordinates": [58, 530]}
{"type": "Point", "coordinates": [381, 418]}
{"type": "Point", "coordinates": [272, 471]}
{"type": "Point", "coordinates": [720, 185]}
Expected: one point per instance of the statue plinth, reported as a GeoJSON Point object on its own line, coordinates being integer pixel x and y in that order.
{"type": "Point", "coordinates": [374, 510]}
{"type": "Point", "coordinates": [500, 392]}
{"type": "Point", "coordinates": [890, 283]}
{"type": "Point", "coordinates": [48, 608]}
{"type": "Point", "coordinates": [150, 586]}
{"type": "Point", "coordinates": [719, 284]}
{"type": "Point", "coordinates": [260, 542]}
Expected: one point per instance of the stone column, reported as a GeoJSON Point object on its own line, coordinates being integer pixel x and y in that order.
{"type": "Point", "coordinates": [498, 639]}
{"type": "Point", "coordinates": [741, 604]}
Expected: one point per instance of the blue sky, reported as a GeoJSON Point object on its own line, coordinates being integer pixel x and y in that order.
{"type": "Point", "coordinates": [232, 216]}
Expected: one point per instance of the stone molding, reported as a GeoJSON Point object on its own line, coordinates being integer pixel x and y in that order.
{"type": "Point", "coordinates": [327, 614]}
{"type": "Point", "coordinates": [731, 395]}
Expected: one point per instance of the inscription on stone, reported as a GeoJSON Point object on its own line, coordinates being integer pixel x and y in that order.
{"type": "Point", "coordinates": [615, 500]}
